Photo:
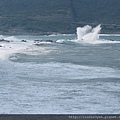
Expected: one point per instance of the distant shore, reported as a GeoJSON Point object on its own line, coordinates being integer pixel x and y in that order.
{"type": "Point", "coordinates": [37, 33]}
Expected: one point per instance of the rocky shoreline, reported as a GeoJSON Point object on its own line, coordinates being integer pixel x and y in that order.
{"type": "Point", "coordinates": [105, 30]}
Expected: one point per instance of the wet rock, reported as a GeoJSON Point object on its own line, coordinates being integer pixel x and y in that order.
{"type": "Point", "coordinates": [111, 39]}
{"type": "Point", "coordinates": [49, 40]}
{"type": "Point", "coordinates": [2, 40]}
{"type": "Point", "coordinates": [39, 41]}
{"type": "Point", "coordinates": [36, 41]}
{"type": "Point", "coordinates": [23, 41]}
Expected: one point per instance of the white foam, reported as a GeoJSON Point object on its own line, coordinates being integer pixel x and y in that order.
{"type": "Point", "coordinates": [61, 41]}
{"type": "Point", "coordinates": [87, 33]}
{"type": "Point", "coordinates": [15, 45]}
{"type": "Point", "coordinates": [1, 37]}
{"type": "Point", "coordinates": [7, 49]}
{"type": "Point", "coordinates": [34, 50]}
{"type": "Point", "coordinates": [109, 34]}
{"type": "Point", "coordinates": [100, 41]}
{"type": "Point", "coordinates": [106, 41]}
{"type": "Point", "coordinates": [9, 38]}
{"type": "Point", "coordinates": [81, 31]}
{"type": "Point", "coordinates": [90, 35]}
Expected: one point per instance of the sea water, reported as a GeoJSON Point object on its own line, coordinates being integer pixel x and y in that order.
{"type": "Point", "coordinates": [67, 75]}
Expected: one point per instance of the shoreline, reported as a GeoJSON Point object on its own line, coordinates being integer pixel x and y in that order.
{"type": "Point", "coordinates": [101, 34]}
{"type": "Point", "coordinates": [51, 33]}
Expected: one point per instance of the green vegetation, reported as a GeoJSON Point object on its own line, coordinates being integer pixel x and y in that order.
{"type": "Point", "coordinates": [62, 16]}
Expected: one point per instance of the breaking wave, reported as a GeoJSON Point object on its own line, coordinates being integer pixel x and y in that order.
{"type": "Point", "coordinates": [87, 34]}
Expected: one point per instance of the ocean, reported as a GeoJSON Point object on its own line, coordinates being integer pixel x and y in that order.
{"type": "Point", "coordinates": [59, 74]}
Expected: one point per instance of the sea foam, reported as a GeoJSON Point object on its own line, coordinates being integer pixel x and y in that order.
{"type": "Point", "coordinates": [87, 34]}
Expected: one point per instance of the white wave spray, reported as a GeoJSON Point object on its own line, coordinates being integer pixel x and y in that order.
{"type": "Point", "coordinates": [88, 34]}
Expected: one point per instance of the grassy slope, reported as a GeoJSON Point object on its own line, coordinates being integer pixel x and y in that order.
{"type": "Point", "coordinates": [56, 15]}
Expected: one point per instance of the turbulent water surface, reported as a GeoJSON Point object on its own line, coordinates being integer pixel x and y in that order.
{"type": "Point", "coordinates": [64, 75]}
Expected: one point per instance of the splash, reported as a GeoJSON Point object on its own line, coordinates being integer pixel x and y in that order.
{"type": "Point", "coordinates": [88, 34]}
{"type": "Point", "coordinates": [13, 45]}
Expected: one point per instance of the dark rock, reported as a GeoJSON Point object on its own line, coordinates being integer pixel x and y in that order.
{"type": "Point", "coordinates": [111, 39]}
{"type": "Point", "coordinates": [39, 41]}
{"type": "Point", "coordinates": [0, 45]}
{"type": "Point", "coordinates": [23, 41]}
{"type": "Point", "coordinates": [49, 40]}
{"type": "Point", "coordinates": [36, 41]}
{"type": "Point", "coordinates": [2, 40]}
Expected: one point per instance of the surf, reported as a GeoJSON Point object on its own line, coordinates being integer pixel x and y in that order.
{"type": "Point", "coordinates": [89, 34]}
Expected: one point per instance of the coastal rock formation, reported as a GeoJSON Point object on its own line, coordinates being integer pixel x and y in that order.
{"type": "Point", "coordinates": [40, 41]}
{"type": "Point", "coordinates": [23, 41]}
{"type": "Point", "coordinates": [2, 40]}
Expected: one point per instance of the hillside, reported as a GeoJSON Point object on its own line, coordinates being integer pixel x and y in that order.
{"type": "Point", "coordinates": [47, 16]}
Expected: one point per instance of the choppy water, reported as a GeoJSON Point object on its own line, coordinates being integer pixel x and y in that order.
{"type": "Point", "coordinates": [65, 76]}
